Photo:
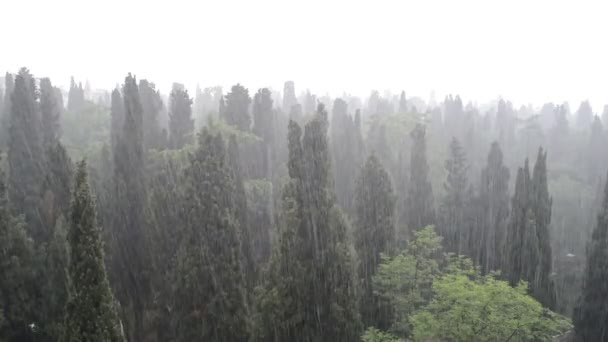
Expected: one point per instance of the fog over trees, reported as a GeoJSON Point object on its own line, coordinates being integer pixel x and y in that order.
{"type": "Point", "coordinates": [147, 214]}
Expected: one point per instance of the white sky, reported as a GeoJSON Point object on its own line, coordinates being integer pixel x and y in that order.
{"type": "Point", "coordinates": [524, 50]}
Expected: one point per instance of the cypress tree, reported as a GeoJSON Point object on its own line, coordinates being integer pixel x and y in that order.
{"type": "Point", "coordinates": [493, 213]}
{"type": "Point", "coordinates": [402, 103]}
{"type": "Point", "coordinates": [51, 107]}
{"type": "Point", "coordinates": [5, 110]}
{"type": "Point", "coordinates": [131, 262]}
{"type": "Point", "coordinates": [152, 105]}
{"type": "Point", "coordinates": [289, 96]}
{"type": "Point", "coordinates": [75, 96]}
{"type": "Point", "coordinates": [263, 126]}
{"type": "Point", "coordinates": [91, 315]}
{"type": "Point", "coordinates": [25, 154]}
{"type": "Point", "coordinates": [310, 286]}
{"type": "Point", "coordinates": [118, 118]}
{"type": "Point", "coordinates": [453, 210]}
{"type": "Point", "coordinates": [17, 288]}
{"type": "Point", "coordinates": [420, 208]}
{"type": "Point", "coordinates": [346, 143]}
{"type": "Point", "coordinates": [236, 112]}
{"type": "Point", "coordinates": [241, 214]}
{"type": "Point", "coordinates": [543, 288]}
{"type": "Point", "coordinates": [210, 299]}
{"type": "Point", "coordinates": [181, 123]}
{"type": "Point", "coordinates": [374, 235]}
{"type": "Point", "coordinates": [591, 314]}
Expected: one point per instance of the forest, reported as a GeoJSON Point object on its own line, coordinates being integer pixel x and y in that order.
{"type": "Point", "coordinates": [211, 214]}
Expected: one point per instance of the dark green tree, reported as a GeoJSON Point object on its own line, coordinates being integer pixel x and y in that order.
{"type": "Point", "coordinates": [51, 107]}
{"type": "Point", "coordinates": [241, 211]}
{"type": "Point", "coordinates": [453, 225]}
{"type": "Point", "coordinates": [25, 154]}
{"type": "Point", "coordinates": [118, 118]}
{"type": "Point", "coordinates": [584, 115]}
{"type": "Point", "coordinates": [347, 146]}
{"type": "Point", "coordinates": [289, 96]}
{"type": "Point", "coordinates": [420, 209]}
{"type": "Point", "coordinates": [493, 213]}
{"type": "Point", "coordinates": [591, 314]}
{"type": "Point", "coordinates": [263, 126]}
{"type": "Point", "coordinates": [374, 235]}
{"type": "Point", "coordinates": [595, 152]}
{"type": "Point", "coordinates": [236, 112]}
{"type": "Point", "coordinates": [309, 288]}
{"type": "Point", "coordinates": [181, 123]}
{"type": "Point", "coordinates": [5, 110]}
{"type": "Point", "coordinates": [209, 288]}
{"type": "Point", "coordinates": [402, 103]}
{"type": "Point", "coordinates": [541, 284]}
{"type": "Point", "coordinates": [130, 258]}
{"type": "Point", "coordinates": [17, 287]}
{"type": "Point", "coordinates": [91, 315]}
{"type": "Point", "coordinates": [152, 106]}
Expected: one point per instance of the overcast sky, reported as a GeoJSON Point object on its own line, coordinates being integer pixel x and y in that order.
{"type": "Point", "coordinates": [526, 51]}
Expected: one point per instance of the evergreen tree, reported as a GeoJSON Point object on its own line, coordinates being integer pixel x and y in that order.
{"type": "Point", "coordinates": [236, 112]}
{"type": "Point", "coordinates": [584, 115]}
{"type": "Point", "coordinates": [181, 123]}
{"type": "Point", "coordinates": [420, 208]}
{"type": "Point", "coordinates": [17, 288]}
{"type": "Point", "coordinates": [519, 266]}
{"type": "Point", "coordinates": [543, 288]}
{"type": "Point", "coordinates": [152, 106]}
{"type": "Point", "coordinates": [595, 152]}
{"type": "Point", "coordinates": [240, 203]}
{"type": "Point", "coordinates": [309, 287]}
{"type": "Point", "coordinates": [25, 154]}
{"type": "Point", "coordinates": [453, 210]}
{"type": "Point", "coordinates": [75, 97]}
{"type": "Point", "coordinates": [263, 126]}
{"type": "Point", "coordinates": [402, 103]}
{"type": "Point", "coordinates": [493, 211]}
{"type": "Point", "coordinates": [51, 107]}
{"type": "Point", "coordinates": [118, 118]}
{"type": "Point", "coordinates": [346, 143]}
{"type": "Point", "coordinates": [131, 262]}
{"type": "Point", "coordinates": [5, 110]}
{"type": "Point", "coordinates": [591, 314]}
{"type": "Point", "coordinates": [56, 186]}
{"type": "Point", "coordinates": [374, 235]}
{"type": "Point", "coordinates": [210, 300]}
{"type": "Point", "coordinates": [91, 315]}
{"type": "Point", "coordinates": [289, 96]}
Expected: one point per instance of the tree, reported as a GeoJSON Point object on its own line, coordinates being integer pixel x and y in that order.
{"type": "Point", "coordinates": [210, 300]}
{"type": "Point", "coordinates": [118, 118]}
{"type": "Point", "coordinates": [131, 261]}
{"type": "Point", "coordinates": [17, 287]}
{"type": "Point", "coordinates": [289, 96]}
{"type": "Point", "coordinates": [309, 286]}
{"type": "Point", "coordinates": [5, 110]}
{"type": "Point", "coordinates": [493, 212]}
{"type": "Point", "coordinates": [402, 103]}
{"type": "Point", "coordinates": [152, 105]}
{"type": "Point", "coordinates": [595, 151]}
{"type": "Point", "coordinates": [484, 309]}
{"type": "Point", "coordinates": [420, 208]}
{"type": "Point", "coordinates": [405, 280]}
{"type": "Point", "coordinates": [75, 96]}
{"type": "Point", "coordinates": [591, 314]}
{"type": "Point", "coordinates": [241, 214]}
{"type": "Point", "coordinates": [542, 286]}
{"type": "Point", "coordinates": [25, 154]}
{"type": "Point", "coordinates": [374, 236]}
{"type": "Point", "coordinates": [181, 123]}
{"type": "Point", "coordinates": [236, 112]}
{"type": "Point", "coordinates": [51, 107]}
{"type": "Point", "coordinates": [584, 115]}
{"type": "Point", "coordinates": [347, 152]}
{"type": "Point", "coordinates": [91, 315]}
{"type": "Point", "coordinates": [263, 126]}
{"type": "Point", "coordinates": [453, 210]}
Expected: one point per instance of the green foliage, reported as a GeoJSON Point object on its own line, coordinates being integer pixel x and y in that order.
{"type": "Point", "coordinates": [485, 309]}
{"type": "Point", "coordinates": [375, 335]}
{"type": "Point", "coordinates": [181, 123]}
{"type": "Point", "coordinates": [91, 315]}
{"type": "Point", "coordinates": [236, 112]}
{"type": "Point", "coordinates": [405, 280]}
